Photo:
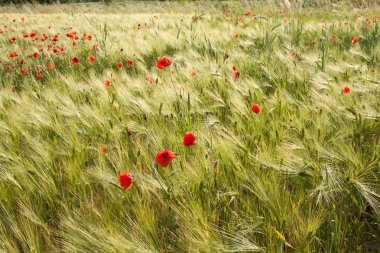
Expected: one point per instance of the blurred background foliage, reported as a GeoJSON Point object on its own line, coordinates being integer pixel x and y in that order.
{"type": "Point", "coordinates": [294, 3]}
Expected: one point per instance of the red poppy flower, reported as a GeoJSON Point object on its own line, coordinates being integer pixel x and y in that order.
{"type": "Point", "coordinates": [131, 62]}
{"type": "Point", "coordinates": [51, 66]}
{"type": "Point", "coordinates": [91, 58]}
{"type": "Point", "coordinates": [255, 108]}
{"type": "Point", "coordinates": [236, 36]}
{"type": "Point", "coordinates": [247, 13]}
{"type": "Point", "coordinates": [165, 157]}
{"type": "Point", "coordinates": [189, 139]}
{"type": "Point", "coordinates": [126, 180]}
{"type": "Point", "coordinates": [164, 62]}
{"type": "Point", "coordinates": [119, 64]}
{"type": "Point", "coordinates": [236, 75]}
{"type": "Point", "coordinates": [26, 35]}
{"type": "Point", "coordinates": [74, 43]}
{"type": "Point", "coordinates": [104, 149]}
{"type": "Point", "coordinates": [24, 72]}
{"type": "Point", "coordinates": [193, 73]}
{"type": "Point", "coordinates": [40, 76]}
{"type": "Point", "coordinates": [35, 54]}
{"type": "Point", "coordinates": [346, 90]}
{"type": "Point", "coordinates": [354, 40]}
{"type": "Point", "coordinates": [33, 34]}
{"type": "Point", "coordinates": [13, 54]}
{"type": "Point", "coordinates": [107, 83]}
{"type": "Point", "coordinates": [12, 40]}
{"type": "Point", "coordinates": [21, 62]}
{"type": "Point", "coordinates": [74, 60]}
{"type": "Point", "coordinates": [55, 39]}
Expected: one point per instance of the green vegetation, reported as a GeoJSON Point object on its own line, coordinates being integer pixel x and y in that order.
{"type": "Point", "coordinates": [300, 176]}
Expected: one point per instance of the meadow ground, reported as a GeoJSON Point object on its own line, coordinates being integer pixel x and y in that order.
{"type": "Point", "coordinates": [284, 103]}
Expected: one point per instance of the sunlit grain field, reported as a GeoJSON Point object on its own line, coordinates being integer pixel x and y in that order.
{"type": "Point", "coordinates": [99, 107]}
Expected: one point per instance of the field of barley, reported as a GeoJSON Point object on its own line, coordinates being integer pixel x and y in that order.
{"type": "Point", "coordinates": [189, 127]}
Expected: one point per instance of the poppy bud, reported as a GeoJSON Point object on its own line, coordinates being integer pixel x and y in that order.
{"type": "Point", "coordinates": [104, 149]}
{"type": "Point", "coordinates": [354, 40]}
